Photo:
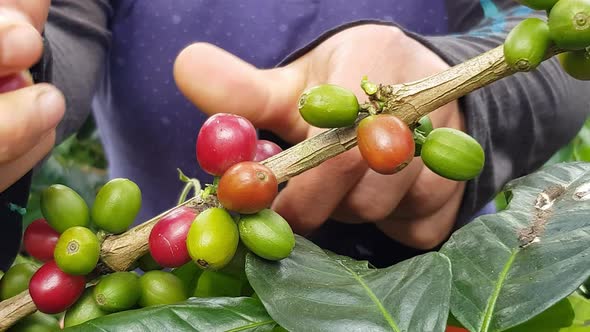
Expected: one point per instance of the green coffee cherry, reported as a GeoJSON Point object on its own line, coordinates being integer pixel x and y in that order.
{"type": "Point", "coordinates": [424, 125]}
{"type": "Point", "coordinates": [267, 234]}
{"type": "Point", "coordinates": [526, 45]}
{"type": "Point", "coordinates": [83, 310]}
{"type": "Point", "coordinates": [569, 24]}
{"type": "Point", "coordinates": [420, 133]}
{"type": "Point", "coordinates": [212, 239]}
{"type": "Point", "coordinates": [116, 205]}
{"type": "Point", "coordinates": [147, 263]}
{"type": "Point", "coordinates": [159, 287]}
{"type": "Point", "coordinates": [16, 280]}
{"type": "Point", "coordinates": [77, 251]}
{"type": "Point", "coordinates": [117, 291]}
{"type": "Point", "coordinates": [453, 154]}
{"type": "Point", "coordinates": [217, 284]}
{"type": "Point", "coordinates": [63, 208]}
{"type": "Point", "coordinates": [36, 322]}
{"type": "Point", "coordinates": [539, 4]}
{"type": "Point", "coordinates": [329, 106]}
{"type": "Point", "coordinates": [189, 274]}
{"type": "Point", "coordinates": [576, 64]}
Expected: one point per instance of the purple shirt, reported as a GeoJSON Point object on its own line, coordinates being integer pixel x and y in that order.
{"type": "Point", "coordinates": [149, 129]}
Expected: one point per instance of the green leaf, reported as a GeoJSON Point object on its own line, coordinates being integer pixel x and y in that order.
{"type": "Point", "coordinates": [581, 307]}
{"type": "Point", "coordinates": [558, 316]}
{"type": "Point", "coordinates": [571, 314]}
{"type": "Point", "coordinates": [312, 290]}
{"type": "Point", "coordinates": [511, 266]}
{"type": "Point", "coordinates": [196, 314]}
{"type": "Point", "coordinates": [565, 154]}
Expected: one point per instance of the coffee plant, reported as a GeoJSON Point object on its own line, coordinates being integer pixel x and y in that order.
{"type": "Point", "coordinates": [222, 260]}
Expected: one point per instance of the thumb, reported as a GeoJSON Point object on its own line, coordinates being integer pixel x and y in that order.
{"type": "Point", "coordinates": [219, 82]}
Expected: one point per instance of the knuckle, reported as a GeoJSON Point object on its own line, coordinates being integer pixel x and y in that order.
{"type": "Point", "coordinates": [369, 211]}
{"type": "Point", "coordinates": [12, 137]}
{"type": "Point", "coordinates": [426, 239]}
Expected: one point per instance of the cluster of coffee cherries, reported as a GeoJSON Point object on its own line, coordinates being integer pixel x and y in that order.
{"type": "Point", "coordinates": [65, 244]}
{"type": "Point", "coordinates": [228, 148]}
{"type": "Point", "coordinates": [386, 142]}
{"type": "Point", "coordinates": [566, 31]}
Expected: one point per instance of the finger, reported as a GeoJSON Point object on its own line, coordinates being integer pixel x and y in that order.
{"type": "Point", "coordinates": [14, 170]}
{"type": "Point", "coordinates": [219, 82]}
{"type": "Point", "coordinates": [308, 199]}
{"type": "Point", "coordinates": [429, 193]}
{"type": "Point", "coordinates": [25, 116]}
{"type": "Point", "coordinates": [32, 11]}
{"type": "Point", "coordinates": [376, 196]}
{"type": "Point", "coordinates": [426, 232]}
{"type": "Point", "coordinates": [21, 44]}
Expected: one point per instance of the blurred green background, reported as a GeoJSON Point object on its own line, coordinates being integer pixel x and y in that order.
{"type": "Point", "coordinates": [78, 162]}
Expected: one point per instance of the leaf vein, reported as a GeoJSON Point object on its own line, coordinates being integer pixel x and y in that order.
{"type": "Point", "coordinates": [374, 298]}
{"type": "Point", "coordinates": [494, 298]}
{"type": "Point", "coordinates": [251, 326]}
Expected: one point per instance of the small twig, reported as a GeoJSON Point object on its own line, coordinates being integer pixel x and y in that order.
{"type": "Point", "coordinates": [15, 308]}
{"type": "Point", "coordinates": [120, 252]}
{"type": "Point", "coordinates": [409, 102]}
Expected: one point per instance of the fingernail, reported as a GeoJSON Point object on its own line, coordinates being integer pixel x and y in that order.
{"type": "Point", "coordinates": [51, 107]}
{"type": "Point", "coordinates": [18, 41]}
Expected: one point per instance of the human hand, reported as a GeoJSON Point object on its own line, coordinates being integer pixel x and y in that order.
{"type": "Point", "coordinates": [29, 115]}
{"type": "Point", "coordinates": [415, 207]}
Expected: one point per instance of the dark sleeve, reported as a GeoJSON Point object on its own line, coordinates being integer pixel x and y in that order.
{"type": "Point", "coordinates": [521, 120]}
{"type": "Point", "coordinates": [79, 37]}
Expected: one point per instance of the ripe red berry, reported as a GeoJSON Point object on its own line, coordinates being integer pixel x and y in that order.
{"type": "Point", "coordinates": [266, 149]}
{"type": "Point", "coordinates": [39, 240]}
{"type": "Point", "coordinates": [15, 81]}
{"type": "Point", "coordinates": [167, 239]}
{"type": "Point", "coordinates": [247, 187]}
{"type": "Point", "coordinates": [224, 140]}
{"type": "Point", "coordinates": [385, 142]}
{"type": "Point", "coordinates": [53, 290]}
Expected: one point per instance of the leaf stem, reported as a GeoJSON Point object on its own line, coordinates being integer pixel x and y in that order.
{"type": "Point", "coordinates": [190, 184]}
{"type": "Point", "coordinates": [487, 320]}
{"type": "Point", "coordinates": [374, 298]}
{"type": "Point", "coordinates": [251, 326]}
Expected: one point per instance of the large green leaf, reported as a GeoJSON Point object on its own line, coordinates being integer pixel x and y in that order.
{"type": "Point", "coordinates": [581, 307]}
{"type": "Point", "coordinates": [565, 154]}
{"type": "Point", "coordinates": [571, 314]}
{"type": "Point", "coordinates": [312, 290]}
{"type": "Point", "coordinates": [511, 266]}
{"type": "Point", "coordinates": [557, 317]}
{"type": "Point", "coordinates": [196, 314]}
